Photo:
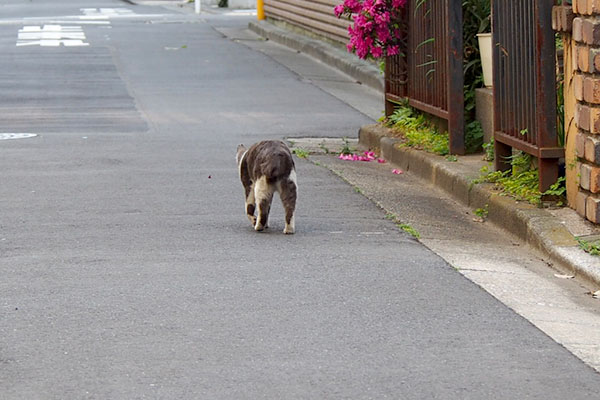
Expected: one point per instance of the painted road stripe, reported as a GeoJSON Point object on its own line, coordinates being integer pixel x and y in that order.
{"type": "Point", "coordinates": [104, 13]}
{"type": "Point", "coordinates": [11, 136]}
{"type": "Point", "coordinates": [51, 36]}
{"type": "Point", "coordinates": [61, 33]}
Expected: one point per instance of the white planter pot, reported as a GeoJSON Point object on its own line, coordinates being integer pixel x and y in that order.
{"type": "Point", "coordinates": [485, 49]}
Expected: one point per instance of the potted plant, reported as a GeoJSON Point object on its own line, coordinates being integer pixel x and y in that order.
{"type": "Point", "coordinates": [478, 39]}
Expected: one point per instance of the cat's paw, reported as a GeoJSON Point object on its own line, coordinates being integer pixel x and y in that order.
{"type": "Point", "coordinates": [289, 230]}
{"type": "Point", "coordinates": [259, 227]}
{"type": "Point", "coordinates": [252, 219]}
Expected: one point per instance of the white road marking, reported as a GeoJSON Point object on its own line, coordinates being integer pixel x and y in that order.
{"type": "Point", "coordinates": [59, 31]}
{"type": "Point", "coordinates": [90, 19]}
{"type": "Point", "coordinates": [79, 22]}
{"type": "Point", "coordinates": [104, 13]}
{"type": "Point", "coordinates": [51, 36]}
{"type": "Point", "coordinates": [53, 43]}
{"type": "Point", "coordinates": [9, 136]}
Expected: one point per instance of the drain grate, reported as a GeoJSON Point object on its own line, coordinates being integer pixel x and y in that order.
{"type": "Point", "coordinates": [8, 136]}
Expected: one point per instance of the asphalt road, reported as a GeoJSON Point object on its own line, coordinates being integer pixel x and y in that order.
{"type": "Point", "coordinates": [129, 270]}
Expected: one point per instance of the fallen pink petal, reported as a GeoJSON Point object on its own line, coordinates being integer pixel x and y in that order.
{"type": "Point", "coordinates": [368, 157]}
{"type": "Point", "coordinates": [397, 171]}
{"type": "Point", "coordinates": [381, 161]}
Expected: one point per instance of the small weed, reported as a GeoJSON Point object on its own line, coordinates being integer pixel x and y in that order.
{"type": "Point", "coordinates": [589, 247]}
{"type": "Point", "coordinates": [573, 163]}
{"type": "Point", "coordinates": [301, 153]}
{"type": "Point", "coordinates": [410, 230]}
{"type": "Point", "coordinates": [482, 213]}
{"type": "Point", "coordinates": [524, 132]}
{"type": "Point", "coordinates": [324, 148]}
{"type": "Point", "coordinates": [391, 217]}
{"type": "Point", "coordinates": [405, 227]}
{"type": "Point", "coordinates": [558, 190]}
{"type": "Point", "coordinates": [522, 182]}
{"type": "Point", "coordinates": [420, 133]}
{"type": "Point", "coordinates": [417, 132]}
{"type": "Point", "coordinates": [451, 158]}
{"type": "Point", "coordinates": [346, 149]}
{"type": "Point", "coordinates": [473, 136]}
{"type": "Point", "coordinates": [358, 190]}
{"type": "Point", "coordinates": [489, 150]}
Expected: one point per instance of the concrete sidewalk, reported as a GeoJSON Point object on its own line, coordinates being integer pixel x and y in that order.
{"type": "Point", "coordinates": [553, 231]}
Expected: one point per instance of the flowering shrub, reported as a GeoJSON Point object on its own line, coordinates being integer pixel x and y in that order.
{"type": "Point", "coordinates": [376, 29]}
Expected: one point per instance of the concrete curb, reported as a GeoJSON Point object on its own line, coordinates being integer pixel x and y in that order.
{"type": "Point", "coordinates": [530, 224]}
{"type": "Point", "coordinates": [347, 63]}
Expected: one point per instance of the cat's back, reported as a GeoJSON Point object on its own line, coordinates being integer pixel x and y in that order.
{"type": "Point", "coordinates": [271, 159]}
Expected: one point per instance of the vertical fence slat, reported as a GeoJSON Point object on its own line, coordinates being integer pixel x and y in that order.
{"type": "Point", "coordinates": [456, 77]}
{"type": "Point", "coordinates": [546, 90]}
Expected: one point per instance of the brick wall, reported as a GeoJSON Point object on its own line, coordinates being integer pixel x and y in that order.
{"type": "Point", "coordinates": [586, 84]}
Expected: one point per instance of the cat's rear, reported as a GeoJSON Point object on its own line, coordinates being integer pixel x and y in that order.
{"type": "Point", "coordinates": [265, 168]}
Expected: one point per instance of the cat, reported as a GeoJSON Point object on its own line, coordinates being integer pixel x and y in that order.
{"type": "Point", "coordinates": [265, 168]}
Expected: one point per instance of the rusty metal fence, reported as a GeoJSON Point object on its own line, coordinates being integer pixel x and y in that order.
{"type": "Point", "coordinates": [429, 72]}
{"type": "Point", "coordinates": [525, 85]}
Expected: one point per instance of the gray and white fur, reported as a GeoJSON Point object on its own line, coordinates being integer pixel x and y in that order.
{"type": "Point", "coordinates": [265, 168]}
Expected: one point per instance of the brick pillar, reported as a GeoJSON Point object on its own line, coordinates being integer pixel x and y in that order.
{"type": "Point", "coordinates": [586, 85]}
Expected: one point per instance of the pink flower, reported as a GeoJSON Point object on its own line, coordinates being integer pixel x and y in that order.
{"type": "Point", "coordinates": [393, 50]}
{"type": "Point", "coordinates": [383, 34]}
{"type": "Point", "coordinates": [397, 171]}
{"type": "Point", "coordinates": [381, 161]}
{"type": "Point", "coordinates": [353, 6]}
{"type": "Point", "coordinates": [376, 52]}
{"type": "Point", "coordinates": [374, 31]}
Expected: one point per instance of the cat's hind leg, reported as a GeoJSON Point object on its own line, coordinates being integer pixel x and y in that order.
{"type": "Point", "coordinates": [289, 191]}
{"type": "Point", "coordinates": [250, 204]}
{"type": "Point", "coordinates": [263, 194]}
